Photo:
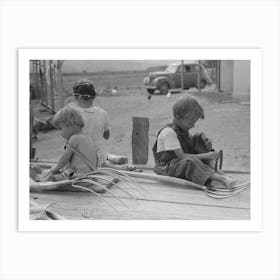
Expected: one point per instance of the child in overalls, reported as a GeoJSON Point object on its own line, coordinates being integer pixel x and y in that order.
{"type": "Point", "coordinates": [175, 151]}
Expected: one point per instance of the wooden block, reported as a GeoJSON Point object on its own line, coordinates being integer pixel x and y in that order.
{"type": "Point", "coordinates": [140, 140]}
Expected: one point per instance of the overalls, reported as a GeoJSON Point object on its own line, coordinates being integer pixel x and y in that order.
{"type": "Point", "coordinates": [189, 168]}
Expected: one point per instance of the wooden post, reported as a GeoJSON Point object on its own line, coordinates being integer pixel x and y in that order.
{"type": "Point", "coordinates": [198, 76]}
{"type": "Point", "coordinates": [140, 140]}
{"type": "Point", "coordinates": [51, 85]}
{"type": "Point", "coordinates": [31, 150]}
{"type": "Point", "coordinates": [182, 76]}
{"type": "Point", "coordinates": [45, 83]}
{"type": "Point", "coordinates": [60, 82]}
{"type": "Point", "coordinates": [41, 83]}
{"type": "Point", "coordinates": [38, 93]}
{"type": "Point", "coordinates": [218, 75]}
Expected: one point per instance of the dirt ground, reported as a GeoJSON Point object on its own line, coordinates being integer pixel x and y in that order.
{"type": "Point", "coordinates": [227, 123]}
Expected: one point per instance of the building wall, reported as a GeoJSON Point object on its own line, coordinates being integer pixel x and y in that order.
{"type": "Point", "coordinates": [226, 75]}
{"type": "Point", "coordinates": [241, 77]}
{"type": "Point", "coordinates": [235, 77]}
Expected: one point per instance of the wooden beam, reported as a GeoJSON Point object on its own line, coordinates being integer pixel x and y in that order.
{"type": "Point", "coordinates": [51, 84]}
{"type": "Point", "coordinates": [46, 96]}
{"type": "Point", "coordinates": [199, 76]}
{"type": "Point", "coordinates": [182, 76]}
{"type": "Point", "coordinates": [60, 82]}
{"type": "Point", "coordinates": [140, 140]}
{"type": "Point", "coordinates": [218, 75]}
{"type": "Point", "coordinates": [31, 149]}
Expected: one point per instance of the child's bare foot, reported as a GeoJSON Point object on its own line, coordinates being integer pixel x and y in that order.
{"type": "Point", "coordinates": [229, 182]}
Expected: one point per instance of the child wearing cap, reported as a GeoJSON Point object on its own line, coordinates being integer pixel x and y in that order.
{"type": "Point", "coordinates": [96, 119]}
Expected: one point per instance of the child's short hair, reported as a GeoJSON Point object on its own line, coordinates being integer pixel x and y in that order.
{"type": "Point", "coordinates": [188, 107]}
{"type": "Point", "coordinates": [84, 89]}
{"type": "Point", "coordinates": [68, 116]}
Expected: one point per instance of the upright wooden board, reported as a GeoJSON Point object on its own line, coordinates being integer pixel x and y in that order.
{"type": "Point", "coordinates": [140, 140]}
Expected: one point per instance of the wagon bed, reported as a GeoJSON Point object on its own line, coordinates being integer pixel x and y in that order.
{"type": "Point", "coordinates": [160, 201]}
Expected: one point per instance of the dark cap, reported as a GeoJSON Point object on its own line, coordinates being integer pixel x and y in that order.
{"type": "Point", "coordinates": [84, 88]}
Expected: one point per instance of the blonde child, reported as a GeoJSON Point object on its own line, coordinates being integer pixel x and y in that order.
{"type": "Point", "coordinates": [80, 155]}
{"type": "Point", "coordinates": [174, 150]}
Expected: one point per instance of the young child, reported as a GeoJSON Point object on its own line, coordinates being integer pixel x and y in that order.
{"type": "Point", "coordinates": [96, 119]}
{"type": "Point", "coordinates": [80, 154]}
{"type": "Point", "coordinates": [174, 149]}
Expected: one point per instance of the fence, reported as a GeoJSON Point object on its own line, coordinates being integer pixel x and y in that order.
{"type": "Point", "coordinates": [46, 82]}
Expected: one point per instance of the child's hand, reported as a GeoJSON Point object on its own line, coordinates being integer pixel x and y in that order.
{"type": "Point", "coordinates": [208, 143]}
{"type": "Point", "coordinates": [46, 175]}
{"type": "Point", "coordinates": [213, 155]}
{"type": "Point", "coordinates": [130, 168]}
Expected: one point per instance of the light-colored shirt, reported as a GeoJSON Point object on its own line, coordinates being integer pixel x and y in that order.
{"type": "Point", "coordinates": [82, 143]}
{"type": "Point", "coordinates": [96, 123]}
{"type": "Point", "coordinates": [167, 140]}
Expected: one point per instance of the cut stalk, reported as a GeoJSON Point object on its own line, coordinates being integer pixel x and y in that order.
{"type": "Point", "coordinates": [115, 184]}
{"type": "Point", "coordinates": [105, 172]}
{"type": "Point", "coordinates": [166, 179]}
{"type": "Point", "coordinates": [123, 173]}
{"type": "Point", "coordinates": [101, 186]}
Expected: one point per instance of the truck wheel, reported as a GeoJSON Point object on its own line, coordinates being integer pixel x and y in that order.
{"type": "Point", "coordinates": [151, 90]}
{"type": "Point", "coordinates": [164, 87]}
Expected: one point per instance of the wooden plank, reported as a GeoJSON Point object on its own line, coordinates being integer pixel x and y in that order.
{"type": "Point", "coordinates": [51, 84]}
{"type": "Point", "coordinates": [80, 206]}
{"type": "Point", "coordinates": [179, 194]}
{"type": "Point", "coordinates": [182, 76]}
{"type": "Point", "coordinates": [140, 140]}
{"type": "Point", "coordinates": [199, 76]}
{"type": "Point", "coordinates": [161, 202]}
{"type": "Point", "coordinates": [31, 149]}
{"type": "Point", "coordinates": [157, 190]}
{"type": "Point", "coordinates": [45, 87]}
{"type": "Point", "coordinates": [189, 196]}
{"type": "Point", "coordinates": [60, 83]}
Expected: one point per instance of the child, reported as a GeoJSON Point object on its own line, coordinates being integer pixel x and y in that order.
{"type": "Point", "coordinates": [174, 150]}
{"type": "Point", "coordinates": [80, 155]}
{"type": "Point", "coordinates": [96, 121]}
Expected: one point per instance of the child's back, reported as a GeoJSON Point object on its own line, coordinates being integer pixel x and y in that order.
{"type": "Point", "coordinates": [96, 123]}
{"type": "Point", "coordinates": [82, 144]}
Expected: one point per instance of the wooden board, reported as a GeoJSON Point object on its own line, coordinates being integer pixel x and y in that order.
{"type": "Point", "coordinates": [158, 201]}
{"type": "Point", "coordinates": [140, 140]}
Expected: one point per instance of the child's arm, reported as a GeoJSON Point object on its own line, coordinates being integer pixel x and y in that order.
{"type": "Point", "coordinates": [106, 134]}
{"type": "Point", "coordinates": [64, 159]}
{"type": "Point", "coordinates": [210, 155]}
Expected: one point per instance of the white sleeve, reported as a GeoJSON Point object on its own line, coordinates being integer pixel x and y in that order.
{"type": "Point", "coordinates": [167, 140]}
